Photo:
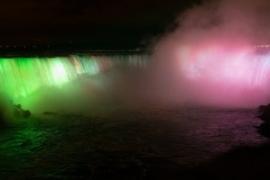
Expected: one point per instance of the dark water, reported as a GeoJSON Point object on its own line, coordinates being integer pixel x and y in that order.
{"type": "Point", "coordinates": [154, 143]}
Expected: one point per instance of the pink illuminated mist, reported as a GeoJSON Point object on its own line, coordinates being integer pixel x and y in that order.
{"type": "Point", "coordinates": [219, 54]}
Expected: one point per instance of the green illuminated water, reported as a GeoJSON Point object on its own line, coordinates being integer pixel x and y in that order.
{"type": "Point", "coordinates": [20, 78]}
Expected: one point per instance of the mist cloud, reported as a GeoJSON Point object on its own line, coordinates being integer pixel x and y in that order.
{"type": "Point", "coordinates": [213, 57]}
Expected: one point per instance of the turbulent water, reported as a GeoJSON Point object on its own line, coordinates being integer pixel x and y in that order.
{"type": "Point", "coordinates": [133, 143]}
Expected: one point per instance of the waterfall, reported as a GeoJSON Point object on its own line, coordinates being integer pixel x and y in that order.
{"type": "Point", "coordinates": [22, 76]}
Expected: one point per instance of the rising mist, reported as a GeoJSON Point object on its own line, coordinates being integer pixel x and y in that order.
{"type": "Point", "coordinates": [218, 54]}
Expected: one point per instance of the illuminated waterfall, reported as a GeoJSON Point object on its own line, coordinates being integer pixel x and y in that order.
{"type": "Point", "coordinates": [20, 77]}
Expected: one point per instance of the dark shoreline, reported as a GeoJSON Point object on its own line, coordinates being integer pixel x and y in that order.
{"type": "Point", "coordinates": [64, 52]}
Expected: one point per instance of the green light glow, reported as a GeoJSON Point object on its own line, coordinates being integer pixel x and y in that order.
{"type": "Point", "coordinates": [32, 81]}
{"type": "Point", "coordinates": [59, 73]}
{"type": "Point", "coordinates": [20, 77]}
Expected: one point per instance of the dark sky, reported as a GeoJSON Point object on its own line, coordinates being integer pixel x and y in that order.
{"type": "Point", "coordinates": [100, 23]}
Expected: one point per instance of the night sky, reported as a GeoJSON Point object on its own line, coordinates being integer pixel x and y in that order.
{"type": "Point", "coordinates": [104, 24]}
